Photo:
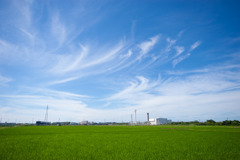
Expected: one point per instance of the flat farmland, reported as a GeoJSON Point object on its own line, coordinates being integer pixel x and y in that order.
{"type": "Point", "coordinates": [119, 142]}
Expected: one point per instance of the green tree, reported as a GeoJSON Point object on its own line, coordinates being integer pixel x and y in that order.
{"type": "Point", "coordinates": [235, 123]}
{"type": "Point", "coordinates": [210, 122]}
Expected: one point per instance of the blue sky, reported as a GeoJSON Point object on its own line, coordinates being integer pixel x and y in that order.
{"type": "Point", "coordinates": [101, 60]}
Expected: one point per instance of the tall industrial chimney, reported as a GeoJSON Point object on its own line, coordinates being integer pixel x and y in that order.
{"type": "Point", "coordinates": [147, 117]}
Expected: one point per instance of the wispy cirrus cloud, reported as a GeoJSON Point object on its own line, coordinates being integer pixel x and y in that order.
{"type": "Point", "coordinates": [108, 56]}
{"type": "Point", "coordinates": [24, 13]}
{"type": "Point", "coordinates": [204, 70]}
{"type": "Point", "coordinates": [47, 45]}
{"type": "Point", "coordinates": [5, 48]}
{"type": "Point", "coordinates": [63, 80]}
{"type": "Point", "coordinates": [58, 29]}
{"type": "Point", "coordinates": [168, 54]}
{"type": "Point", "coordinates": [70, 62]}
{"type": "Point", "coordinates": [31, 102]}
{"type": "Point", "coordinates": [128, 54]}
{"type": "Point", "coordinates": [146, 46]}
{"type": "Point", "coordinates": [181, 58]}
{"type": "Point", "coordinates": [28, 34]}
{"type": "Point", "coordinates": [171, 42]}
{"type": "Point", "coordinates": [136, 89]}
{"type": "Point", "coordinates": [195, 45]}
{"type": "Point", "coordinates": [41, 93]}
{"type": "Point", "coordinates": [180, 33]}
{"type": "Point", "coordinates": [179, 50]}
{"type": "Point", "coordinates": [219, 89]}
{"type": "Point", "coordinates": [4, 80]}
{"type": "Point", "coordinates": [179, 96]}
{"type": "Point", "coordinates": [79, 58]}
{"type": "Point", "coordinates": [86, 58]}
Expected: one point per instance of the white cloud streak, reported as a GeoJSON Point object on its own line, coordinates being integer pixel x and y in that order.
{"type": "Point", "coordinates": [33, 102]}
{"type": "Point", "coordinates": [58, 29]}
{"type": "Point", "coordinates": [183, 57]}
{"type": "Point", "coordinates": [204, 70]}
{"type": "Point", "coordinates": [171, 42]}
{"type": "Point", "coordinates": [179, 50]}
{"type": "Point", "coordinates": [105, 57]}
{"type": "Point", "coordinates": [42, 42]}
{"type": "Point", "coordinates": [180, 33]}
{"type": "Point", "coordinates": [63, 81]}
{"type": "Point", "coordinates": [180, 59]}
{"type": "Point", "coordinates": [28, 34]}
{"type": "Point", "coordinates": [194, 46]}
{"type": "Point", "coordinates": [5, 48]}
{"type": "Point", "coordinates": [135, 90]}
{"type": "Point", "coordinates": [86, 59]}
{"type": "Point", "coordinates": [188, 98]}
{"type": "Point", "coordinates": [128, 54]}
{"type": "Point", "coordinates": [179, 96]}
{"type": "Point", "coordinates": [4, 80]}
{"type": "Point", "coordinates": [146, 46]}
{"type": "Point", "coordinates": [24, 13]}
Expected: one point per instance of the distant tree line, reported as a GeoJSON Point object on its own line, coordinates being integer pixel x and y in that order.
{"type": "Point", "coordinates": [209, 122]}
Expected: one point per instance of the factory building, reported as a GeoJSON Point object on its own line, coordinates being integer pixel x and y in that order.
{"type": "Point", "coordinates": [84, 123]}
{"type": "Point", "coordinates": [42, 123]}
{"type": "Point", "coordinates": [159, 121]}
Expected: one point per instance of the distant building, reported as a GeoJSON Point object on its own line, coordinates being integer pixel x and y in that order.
{"type": "Point", "coordinates": [42, 123]}
{"type": "Point", "coordinates": [84, 123]}
{"type": "Point", "coordinates": [73, 123]}
{"type": "Point", "coordinates": [159, 121]}
{"type": "Point", "coordinates": [7, 124]}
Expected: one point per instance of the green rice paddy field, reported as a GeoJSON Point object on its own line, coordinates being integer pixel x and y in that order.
{"type": "Point", "coordinates": [119, 142]}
